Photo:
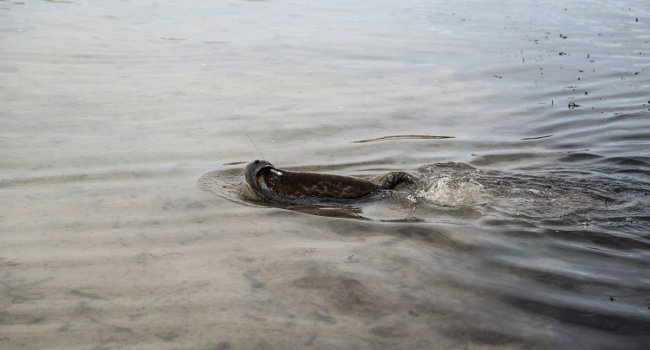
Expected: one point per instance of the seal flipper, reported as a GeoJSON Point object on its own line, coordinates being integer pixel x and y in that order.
{"type": "Point", "coordinates": [394, 179]}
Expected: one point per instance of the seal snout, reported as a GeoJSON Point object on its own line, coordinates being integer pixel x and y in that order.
{"type": "Point", "coordinates": [252, 171]}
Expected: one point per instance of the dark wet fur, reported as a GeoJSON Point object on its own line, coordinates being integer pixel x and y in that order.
{"type": "Point", "coordinates": [276, 184]}
{"type": "Point", "coordinates": [299, 185]}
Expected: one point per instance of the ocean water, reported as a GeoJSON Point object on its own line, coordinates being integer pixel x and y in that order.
{"type": "Point", "coordinates": [125, 128]}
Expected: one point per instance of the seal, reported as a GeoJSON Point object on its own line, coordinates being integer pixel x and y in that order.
{"type": "Point", "coordinates": [283, 186]}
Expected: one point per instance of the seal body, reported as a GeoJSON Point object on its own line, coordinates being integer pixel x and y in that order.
{"type": "Point", "coordinates": [285, 186]}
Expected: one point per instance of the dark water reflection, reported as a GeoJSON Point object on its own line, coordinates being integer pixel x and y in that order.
{"type": "Point", "coordinates": [527, 125]}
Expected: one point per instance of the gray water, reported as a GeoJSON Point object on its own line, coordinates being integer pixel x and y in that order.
{"type": "Point", "coordinates": [124, 131]}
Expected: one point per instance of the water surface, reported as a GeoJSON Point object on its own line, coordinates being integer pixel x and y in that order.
{"type": "Point", "coordinates": [123, 137]}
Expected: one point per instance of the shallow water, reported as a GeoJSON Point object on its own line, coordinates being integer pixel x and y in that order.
{"type": "Point", "coordinates": [123, 137]}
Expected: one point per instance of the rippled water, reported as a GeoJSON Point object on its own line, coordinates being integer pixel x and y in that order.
{"type": "Point", "coordinates": [124, 131]}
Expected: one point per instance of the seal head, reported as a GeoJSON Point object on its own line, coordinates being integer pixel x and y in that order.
{"type": "Point", "coordinates": [253, 171]}
{"type": "Point", "coordinates": [255, 179]}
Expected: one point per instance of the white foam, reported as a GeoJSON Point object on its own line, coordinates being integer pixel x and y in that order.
{"type": "Point", "coordinates": [450, 191]}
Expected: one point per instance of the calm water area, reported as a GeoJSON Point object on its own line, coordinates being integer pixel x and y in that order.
{"type": "Point", "coordinates": [125, 128]}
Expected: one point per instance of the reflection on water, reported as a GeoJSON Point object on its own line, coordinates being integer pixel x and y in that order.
{"type": "Point", "coordinates": [528, 228]}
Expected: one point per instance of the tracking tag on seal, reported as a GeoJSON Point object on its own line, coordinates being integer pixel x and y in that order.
{"type": "Point", "coordinates": [277, 173]}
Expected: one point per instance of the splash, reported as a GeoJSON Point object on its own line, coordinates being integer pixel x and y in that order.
{"type": "Point", "coordinates": [452, 191]}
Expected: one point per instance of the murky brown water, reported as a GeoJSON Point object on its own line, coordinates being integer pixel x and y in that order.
{"type": "Point", "coordinates": [123, 137]}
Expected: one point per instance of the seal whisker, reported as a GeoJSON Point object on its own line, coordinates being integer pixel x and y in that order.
{"type": "Point", "coordinates": [254, 145]}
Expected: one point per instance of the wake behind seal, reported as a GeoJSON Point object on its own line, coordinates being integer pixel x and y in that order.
{"type": "Point", "coordinates": [281, 186]}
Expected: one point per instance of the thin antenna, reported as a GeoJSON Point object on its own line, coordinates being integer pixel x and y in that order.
{"type": "Point", "coordinates": [254, 145]}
